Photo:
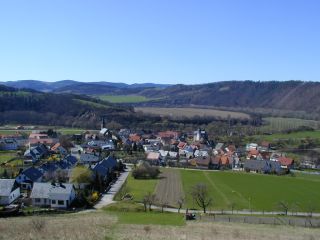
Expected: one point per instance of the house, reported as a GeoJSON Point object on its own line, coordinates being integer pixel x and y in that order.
{"type": "Point", "coordinates": [76, 150]}
{"type": "Point", "coordinates": [28, 177]}
{"type": "Point", "coordinates": [182, 145]}
{"type": "Point", "coordinates": [169, 134]}
{"type": "Point", "coordinates": [200, 162]}
{"type": "Point", "coordinates": [201, 153]}
{"type": "Point", "coordinates": [215, 162]}
{"type": "Point", "coordinates": [88, 158]}
{"type": "Point", "coordinates": [109, 145]}
{"type": "Point", "coordinates": [8, 144]}
{"type": "Point", "coordinates": [36, 153]}
{"type": "Point", "coordinates": [9, 191]}
{"type": "Point", "coordinates": [54, 195]}
{"type": "Point", "coordinates": [200, 135]}
{"type": "Point", "coordinates": [70, 160]}
{"type": "Point", "coordinates": [40, 138]}
{"type": "Point", "coordinates": [225, 162]}
{"type": "Point", "coordinates": [262, 166]}
{"type": "Point", "coordinates": [134, 137]}
{"type": "Point", "coordinates": [105, 167]}
{"type": "Point", "coordinates": [251, 146]}
{"type": "Point", "coordinates": [153, 158]}
{"type": "Point", "coordinates": [57, 148]}
{"type": "Point", "coordinates": [218, 147]}
{"type": "Point", "coordinates": [286, 163]}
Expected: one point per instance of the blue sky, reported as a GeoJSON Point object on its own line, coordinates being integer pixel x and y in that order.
{"type": "Point", "coordinates": [162, 41]}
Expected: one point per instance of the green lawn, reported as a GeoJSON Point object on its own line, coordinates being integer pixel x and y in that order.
{"type": "Point", "coordinates": [156, 218]}
{"type": "Point", "coordinates": [70, 131]}
{"type": "Point", "coordinates": [129, 212]}
{"type": "Point", "coordinates": [294, 135]}
{"type": "Point", "coordinates": [258, 191]}
{"type": "Point", "coordinates": [125, 98]}
{"type": "Point", "coordinates": [6, 156]}
{"type": "Point", "coordinates": [14, 131]}
{"type": "Point", "coordinates": [140, 187]}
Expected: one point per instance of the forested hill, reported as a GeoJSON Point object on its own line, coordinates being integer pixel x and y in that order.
{"type": "Point", "coordinates": [32, 107]}
{"type": "Point", "coordinates": [288, 95]}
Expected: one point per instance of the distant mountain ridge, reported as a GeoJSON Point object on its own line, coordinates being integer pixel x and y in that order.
{"type": "Point", "coordinates": [66, 85]}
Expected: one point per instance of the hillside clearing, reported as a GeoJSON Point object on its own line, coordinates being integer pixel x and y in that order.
{"type": "Point", "coordinates": [192, 112]}
{"type": "Point", "coordinates": [125, 98]}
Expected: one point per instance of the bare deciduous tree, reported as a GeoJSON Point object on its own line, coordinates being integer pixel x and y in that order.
{"type": "Point", "coordinates": [180, 203]}
{"type": "Point", "coordinates": [283, 206]}
{"type": "Point", "coordinates": [200, 195]}
{"type": "Point", "coordinates": [149, 199]}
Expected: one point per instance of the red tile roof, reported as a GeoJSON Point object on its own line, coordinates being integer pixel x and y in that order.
{"type": "Point", "coordinates": [285, 161]}
{"type": "Point", "coordinates": [134, 138]}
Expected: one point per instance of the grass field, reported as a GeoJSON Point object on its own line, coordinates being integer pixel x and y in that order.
{"type": "Point", "coordinates": [138, 188]}
{"type": "Point", "coordinates": [125, 98]}
{"type": "Point", "coordinates": [192, 112]}
{"type": "Point", "coordinates": [294, 135]}
{"type": "Point", "coordinates": [281, 124]}
{"type": "Point", "coordinates": [254, 191]}
{"type": "Point", "coordinates": [129, 212]}
{"type": "Point", "coordinates": [70, 130]}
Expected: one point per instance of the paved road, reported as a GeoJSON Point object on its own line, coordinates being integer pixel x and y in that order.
{"type": "Point", "coordinates": [107, 198]}
{"type": "Point", "coordinates": [242, 212]}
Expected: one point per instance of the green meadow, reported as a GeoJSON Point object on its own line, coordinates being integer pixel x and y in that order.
{"type": "Point", "coordinates": [254, 191]}
{"type": "Point", "coordinates": [125, 98]}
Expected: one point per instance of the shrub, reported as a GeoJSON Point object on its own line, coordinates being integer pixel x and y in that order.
{"type": "Point", "coordinates": [145, 171]}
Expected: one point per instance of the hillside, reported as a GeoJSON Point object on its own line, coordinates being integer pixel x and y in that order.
{"type": "Point", "coordinates": [296, 96]}
{"type": "Point", "coordinates": [289, 95]}
{"type": "Point", "coordinates": [32, 107]}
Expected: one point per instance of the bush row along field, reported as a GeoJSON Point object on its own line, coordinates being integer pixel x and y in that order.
{"type": "Point", "coordinates": [125, 98]}
{"type": "Point", "coordinates": [243, 190]}
{"type": "Point", "coordinates": [192, 112]}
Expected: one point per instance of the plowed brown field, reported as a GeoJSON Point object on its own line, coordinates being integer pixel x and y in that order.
{"type": "Point", "coordinates": [169, 188]}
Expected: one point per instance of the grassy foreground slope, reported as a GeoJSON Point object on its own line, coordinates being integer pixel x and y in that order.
{"type": "Point", "coordinates": [256, 191]}
{"type": "Point", "coordinates": [104, 226]}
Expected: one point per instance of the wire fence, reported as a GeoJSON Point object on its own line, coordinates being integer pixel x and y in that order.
{"type": "Point", "coordinates": [290, 221]}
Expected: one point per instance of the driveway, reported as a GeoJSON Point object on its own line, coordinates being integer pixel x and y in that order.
{"type": "Point", "coordinates": [107, 198]}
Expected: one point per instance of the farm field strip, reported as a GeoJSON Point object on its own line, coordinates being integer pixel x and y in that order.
{"type": "Point", "coordinates": [192, 112]}
{"type": "Point", "coordinates": [169, 189]}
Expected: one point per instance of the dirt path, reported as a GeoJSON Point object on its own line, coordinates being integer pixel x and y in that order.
{"type": "Point", "coordinates": [169, 188]}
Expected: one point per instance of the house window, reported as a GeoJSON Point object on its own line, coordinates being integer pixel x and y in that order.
{"type": "Point", "coordinates": [53, 201]}
{"type": "Point", "coordinates": [60, 202]}
{"type": "Point", "coordinates": [37, 200]}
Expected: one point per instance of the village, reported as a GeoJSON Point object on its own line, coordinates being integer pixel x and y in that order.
{"type": "Point", "coordinates": [73, 171]}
